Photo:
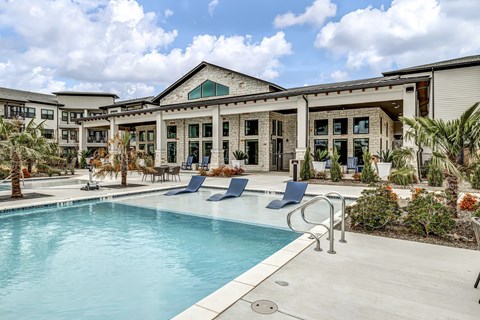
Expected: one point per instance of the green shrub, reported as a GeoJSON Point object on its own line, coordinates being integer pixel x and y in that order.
{"type": "Point", "coordinates": [434, 176]}
{"type": "Point", "coordinates": [375, 209]}
{"type": "Point", "coordinates": [335, 170]}
{"type": "Point", "coordinates": [476, 213]}
{"type": "Point", "coordinates": [403, 176]}
{"type": "Point", "coordinates": [368, 175]}
{"type": "Point", "coordinates": [475, 176]}
{"type": "Point", "coordinates": [427, 215]}
{"type": "Point", "coordinates": [305, 172]}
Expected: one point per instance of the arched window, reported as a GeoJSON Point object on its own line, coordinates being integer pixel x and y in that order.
{"type": "Point", "coordinates": [208, 89]}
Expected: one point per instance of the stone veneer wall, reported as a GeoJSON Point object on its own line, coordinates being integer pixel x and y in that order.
{"type": "Point", "coordinates": [237, 84]}
{"type": "Point", "coordinates": [374, 134]}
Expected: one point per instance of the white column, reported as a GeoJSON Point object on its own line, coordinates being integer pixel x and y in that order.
{"type": "Point", "coordinates": [216, 159]}
{"type": "Point", "coordinates": [113, 131]}
{"type": "Point", "coordinates": [302, 128]}
{"type": "Point", "coordinates": [160, 141]}
{"type": "Point", "coordinates": [409, 111]}
{"type": "Point", "coordinates": [82, 140]}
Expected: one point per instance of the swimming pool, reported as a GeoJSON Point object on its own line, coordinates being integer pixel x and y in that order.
{"type": "Point", "coordinates": [112, 260]}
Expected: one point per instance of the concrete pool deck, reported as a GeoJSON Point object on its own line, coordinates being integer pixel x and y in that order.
{"type": "Point", "coordinates": [368, 278]}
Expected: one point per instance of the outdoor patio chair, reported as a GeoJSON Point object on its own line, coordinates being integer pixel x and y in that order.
{"type": "Point", "coordinates": [188, 164]}
{"type": "Point", "coordinates": [352, 163]}
{"type": "Point", "coordinates": [328, 164]}
{"type": "Point", "coordinates": [476, 228]}
{"type": "Point", "coordinates": [174, 172]}
{"type": "Point", "coordinates": [235, 189]}
{"type": "Point", "coordinates": [294, 193]}
{"type": "Point", "coordinates": [159, 172]}
{"type": "Point", "coordinates": [204, 164]}
{"type": "Point", "coordinates": [193, 186]}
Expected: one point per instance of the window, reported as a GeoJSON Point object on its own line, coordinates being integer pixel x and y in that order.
{"type": "Point", "coordinates": [172, 133]}
{"type": "Point", "coordinates": [208, 89]}
{"type": "Point", "coordinates": [320, 144]}
{"type": "Point", "coordinates": [207, 130]}
{"type": "Point", "coordinates": [358, 146]}
{"type": "Point", "coordinates": [47, 133]}
{"type": "Point", "coordinates": [171, 152]}
{"type": "Point", "coordinates": [65, 135]}
{"type": "Point", "coordinates": [340, 126]}
{"type": "Point", "coordinates": [251, 149]}
{"type": "Point", "coordinates": [64, 116]}
{"type": "Point", "coordinates": [280, 129]}
{"type": "Point", "coordinates": [226, 152]}
{"type": "Point", "coordinates": [274, 127]}
{"type": "Point", "coordinates": [193, 147]}
{"type": "Point", "coordinates": [74, 136]}
{"type": "Point", "coordinates": [193, 130]}
{"type": "Point", "coordinates": [141, 147]}
{"type": "Point", "coordinates": [381, 126]}
{"type": "Point", "coordinates": [207, 149]}
{"type": "Point", "coordinates": [47, 114]}
{"type": "Point", "coordinates": [251, 127]}
{"type": "Point", "coordinates": [150, 149]}
{"type": "Point", "coordinates": [320, 127]}
{"type": "Point", "coordinates": [341, 146]}
{"type": "Point", "coordinates": [226, 129]}
{"type": "Point", "coordinates": [360, 125]}
{"type": "Point", "coordinates": [75, 115]}
{"type": "Point", "coordinates": [30, 112]}
{"type": "Point", "coordinates": [142, 136]}
{"type": "Point", "coordinates": [150, 135]}
{"type": "Point", "coordinates": [381, 144]}
{"type": "Point", "coordinates": [386, 128]}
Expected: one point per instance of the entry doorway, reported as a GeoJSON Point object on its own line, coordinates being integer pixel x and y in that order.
{"type": "Point", "coordinates": [279, 158]}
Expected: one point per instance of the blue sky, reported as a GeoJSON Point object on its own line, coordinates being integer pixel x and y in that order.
{"type": "Point", "coordinates": [137, 48]}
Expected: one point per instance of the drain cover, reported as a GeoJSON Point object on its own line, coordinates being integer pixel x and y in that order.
{"type": "Point", "coordinates": [282, 283]}
{"type": "Point", "coordinates": [264, 306]}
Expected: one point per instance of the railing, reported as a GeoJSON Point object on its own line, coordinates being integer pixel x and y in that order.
{"type": "Point", "coordinates": [331, 226]}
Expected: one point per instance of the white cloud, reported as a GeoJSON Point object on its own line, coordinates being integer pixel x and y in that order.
{"type": "Point", "coordinates": [62, 45]}
{"type": "Point", "coordinates": [316, 14]}
{"type": "Point", "coordinates": [410, 32]}
{"type": "Point", "coordinates": [211, 6]}
{"type": "Point", "coordinates": [339, 76]}
{"type": "Point", "coordinates": [167, 13]}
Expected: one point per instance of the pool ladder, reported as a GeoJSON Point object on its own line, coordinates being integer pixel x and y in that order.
{"type": "Point", "coordinates": [330, 228]}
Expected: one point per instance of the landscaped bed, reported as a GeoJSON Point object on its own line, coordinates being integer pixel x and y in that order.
{"type": "Point", "coordinates": [422, 218]}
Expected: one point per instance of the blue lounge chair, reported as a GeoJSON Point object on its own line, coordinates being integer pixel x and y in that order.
{"type": "Point", "coordinates": [235, 189]}
{"type": "Point", "coordinates": [204, 164]}
{"type": "Point", "coordinates": [352, 163]}
{"type": "Point", "coordinates": [193, 186]}
{"type": "Point", "coordinates": [188, 164]}
{"type": "Point", "coordinates": [328, 164]}
{"type": "Point", "coordinates": [294, 193]}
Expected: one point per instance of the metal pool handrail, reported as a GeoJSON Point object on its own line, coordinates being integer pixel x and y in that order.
{"type": "Point", "coordinates": [344, 205]}
{"type": "Point", "coordinates": [329, 228]}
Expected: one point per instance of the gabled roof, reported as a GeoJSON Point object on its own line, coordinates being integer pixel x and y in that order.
{"type": "Point", "coordinates": [83, 93]}
{"type": "Point", "coordinates": [124, 103]}
{"type": "Point", "coordinates": [202, 65]}
{"type": "Point", "coordinates": [441, 65]}
{"type": "Point", "coordinates": [27, 96]}
{"type": "Point", "coordinates": [323, 88]}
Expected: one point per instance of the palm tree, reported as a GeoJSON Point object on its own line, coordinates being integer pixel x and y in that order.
{"type": "Point", "coordinates": [19, 145]}
{"type": "Point", "coordinates": [119, 145]}
{"type": "Point", "coordinates": [448, 141]}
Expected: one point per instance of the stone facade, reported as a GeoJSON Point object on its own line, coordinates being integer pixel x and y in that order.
{"type": "Point", "coordinates": [237, 84]}
{"type": "Point", "coordinates": [379, 138]}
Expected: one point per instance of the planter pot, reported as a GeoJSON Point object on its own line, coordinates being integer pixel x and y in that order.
{"type": "Point", "coordinates": [384, 169]}
{"type": "Point", "coordinates": [238, 163]}
{"type": "Point", "coordinates": [319, 165]}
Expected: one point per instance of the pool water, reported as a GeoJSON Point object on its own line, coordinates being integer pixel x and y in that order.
{"type": "Point", "coordinates": [116, 261]}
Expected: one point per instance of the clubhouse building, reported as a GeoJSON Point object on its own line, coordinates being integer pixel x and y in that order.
{"type": "Point", "coordinates": [213, 111]}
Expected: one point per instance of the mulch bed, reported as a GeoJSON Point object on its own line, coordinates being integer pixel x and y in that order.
{"type": "Point", "coordinates": [26, 196]}
{"type": "Point", "coordinates": [462, 236]}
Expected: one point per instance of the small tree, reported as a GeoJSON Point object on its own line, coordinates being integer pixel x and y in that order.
{"type": "Point", "coordinates": [335, 170]}
{"type": "Point", "coordinates": [368, 175]}
{"type": "Point", "coordinates": [120, 145]}
{"type": "Point", "coordinates": [305, 172]}
{"type": "Point", "coordinates": [83, 158]}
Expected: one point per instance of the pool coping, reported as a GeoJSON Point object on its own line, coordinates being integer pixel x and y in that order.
{"type": "Point", "coordinates": [220, 300]}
